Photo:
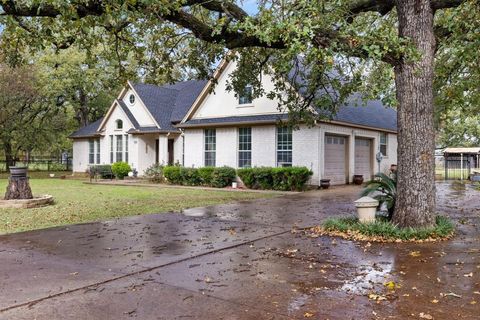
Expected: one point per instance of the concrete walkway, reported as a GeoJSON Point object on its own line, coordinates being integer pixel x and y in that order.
{"type": "Point", "coordinates": [241, 261]}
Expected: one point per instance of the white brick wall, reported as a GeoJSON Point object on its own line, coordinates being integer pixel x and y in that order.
{"type": "Point", "coordinates": [264, 146]}
{"type": "Point", "coordinates": [80, 155]}
{"type": "Point", "coordinates": [194, 148]}
{"type": "Point", "coordinates": [227, 146]}
{"type": "Point", "coordinates": [306, 150]}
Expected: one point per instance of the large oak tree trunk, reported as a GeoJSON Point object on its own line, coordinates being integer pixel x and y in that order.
{"type": "Point", "coordinates": [415, 205]}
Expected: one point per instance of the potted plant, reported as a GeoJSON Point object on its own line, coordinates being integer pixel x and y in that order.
{"type": "Point", "coordinates": [358, 179]}
{"type": "Point", "coordinates": [384, 189]}
{"type": "Point", "coordinates": [324, 183]}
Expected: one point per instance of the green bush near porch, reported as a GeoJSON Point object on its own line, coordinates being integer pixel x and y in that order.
{"type": "Point", "coordinates": [121, 169]}
{"type": "Point", "coordinates": [220, 177]}
{"type": "Point", "coordinates": [284, 178]}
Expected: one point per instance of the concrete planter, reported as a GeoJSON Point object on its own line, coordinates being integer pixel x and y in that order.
{"type": "Point", "coordinates": [366, 209]}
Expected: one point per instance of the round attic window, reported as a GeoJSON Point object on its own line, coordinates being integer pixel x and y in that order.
{"type": "Point", "coordinates": [131, 98]}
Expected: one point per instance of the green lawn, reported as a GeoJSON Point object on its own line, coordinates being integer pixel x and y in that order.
{"type": "Point", "coordinates": [76, 202]}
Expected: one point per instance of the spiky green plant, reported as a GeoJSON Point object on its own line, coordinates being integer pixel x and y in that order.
{"type": "Point", "coordinates": [384, 189]}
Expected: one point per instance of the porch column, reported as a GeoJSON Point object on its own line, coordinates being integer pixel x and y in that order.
{"type": "Point", "coordinates": [321, 156]}
{"type": "Point", "coordinates": [163, 149]}
{"type": "Point", "coordinates": [351, 156]}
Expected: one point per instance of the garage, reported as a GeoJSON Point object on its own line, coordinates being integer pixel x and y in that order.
{"type": "Point", "coordinates": [335, 159]}
{"type": "Point", "coordinates": [363, 158]}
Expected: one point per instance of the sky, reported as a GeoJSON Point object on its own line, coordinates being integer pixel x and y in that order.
{"type": "Point", "coordinates": [250, 6]}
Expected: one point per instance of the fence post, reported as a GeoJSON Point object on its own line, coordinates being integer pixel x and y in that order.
{"type": "Point", "coordinates": [48, 165]}
{"type": "Point", "coordinates": [446, 167]}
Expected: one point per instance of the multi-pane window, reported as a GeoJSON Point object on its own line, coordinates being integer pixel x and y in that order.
{"type": "Point", "coordinates": [111, 148]}
{"type": "Point", "coordinates": [210, 139]}
{"type": "Point", "coordinates": [119, 124]}
{"type": "Point", "coordinates": [284, 147]}
{"type": "Point", "coordinates": [98, 151]}
{"type": "Point", "coordinates": [383, 143]}
{"type": "Point", "coordinates": [244, 147]}
{"type": "Point", "coordinates": [246, 96]}
{"type": "Point", "coordinates": [126, 148]}
{"type": "Point", "coordinates": [91, 151]}
{"type": "Point", "coordinates": [119, 149]}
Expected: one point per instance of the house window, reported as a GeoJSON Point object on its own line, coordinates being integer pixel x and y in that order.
{"type": "Point", "coordinates": [119, 124]}
{"type": "Point", "coordinates": [383, 143]}
{"type": "Point", "coordinates": [246, 97]}
{"type": "Point", "coordinates": [210, 138]}
{"type": "Point", "coordinates": [98, 151]}
{"type": "Point", "coordinates": [119, 149]}
{"type": "Point", "coordinates": [91, 151]}
{"type": "Point", "coordinates": [111, 149]}
{"type": "Point", "coordinates": [284, 147]}
{"type": "Point", "coordinates": [244, 147]}
{"type": "Point", "coordinates": [126, 148]}
{"type": "Point", "coordinates": [131, 98]}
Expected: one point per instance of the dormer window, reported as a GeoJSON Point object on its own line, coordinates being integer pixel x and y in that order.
{"type": "Point", "coordinates": [131, 99]}
{"type": "Point", "coordinates": [246, 97]}
{"type": "Point", "coordinates": [119, 124]}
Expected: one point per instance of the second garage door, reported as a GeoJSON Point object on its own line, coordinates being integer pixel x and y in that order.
{"type": "Point", "coordinates": [363, 158]}
{"type": "Point", "coordinates": [335, 155]}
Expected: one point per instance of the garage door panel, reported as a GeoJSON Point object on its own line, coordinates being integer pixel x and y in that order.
{"type": "Point", "coordinates": [335, 159]}
{"type": "Point", "coordinates": [363, 157]}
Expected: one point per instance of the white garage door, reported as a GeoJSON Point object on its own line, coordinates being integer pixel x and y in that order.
{"type": "Point", "coordinates": [363, 158]}
{"type": "Point", "coordinates": [335, 163]}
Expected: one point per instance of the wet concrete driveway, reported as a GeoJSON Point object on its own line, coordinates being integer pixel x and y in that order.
{"type": "Point", "coordinates": [241, 261]}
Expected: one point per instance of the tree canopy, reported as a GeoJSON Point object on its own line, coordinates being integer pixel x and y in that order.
{"type": "Point", "coordinates": [415, 54]}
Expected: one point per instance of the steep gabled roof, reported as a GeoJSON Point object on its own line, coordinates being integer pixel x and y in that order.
{"type": "Point", "coordinates": [128, 113]}
{"type": "Point", "coordinates": [169, 103]}
{"type": "Point", "coordinates": [87, 131]}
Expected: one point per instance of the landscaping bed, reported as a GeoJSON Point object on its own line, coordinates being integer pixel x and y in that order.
{"type": "Point", "coordinates": [382, 230]}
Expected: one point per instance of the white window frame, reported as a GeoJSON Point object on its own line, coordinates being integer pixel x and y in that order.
{"type": "Point", "coordinates": [241, 97]}
{"type": "Point", "coordinates": [208, 150]}
{"type": "Point", "coordinates": [245, 147]}
{"type": "Point", "coordinates": [286, 147]}
{"type": "Point", "coordinates": [384, 143]}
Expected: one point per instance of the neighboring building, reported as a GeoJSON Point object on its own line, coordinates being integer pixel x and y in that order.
{"type": "Point", "coordinates": [189, 124]}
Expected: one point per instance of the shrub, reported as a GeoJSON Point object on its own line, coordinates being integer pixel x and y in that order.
{"type": "Point", "coordinates": [190, 176]}
{"type": "Point", "coordinates": [284, 178]}
{"type": "Point", "coordinates": [222, 177]}
{"type": "Point", "coordinates": [205, 174]}
{"type": "Point", "coordinates": [155, 173]}
{"type": "Point", "coordinates": [173, 174]}
{"type": "Point", "coordinates": [121, 169]}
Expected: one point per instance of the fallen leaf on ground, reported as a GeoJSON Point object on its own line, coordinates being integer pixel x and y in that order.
{"type": "Point", "coordinates": [468, 275]}
{"type": "Point", "coordinates": [376, 297]}
{"type": "Point", "coordinates": [434, 301]}
{"type": "Point", "coordinates": [425, 316]}
{"type": "Point", "coordinates": [308, 314]}
{"type": "Point", "coordinates": [414, 253]}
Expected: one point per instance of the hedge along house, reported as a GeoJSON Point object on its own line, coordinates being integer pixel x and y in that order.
{"type": "Point", "coordinates": [197, 126]}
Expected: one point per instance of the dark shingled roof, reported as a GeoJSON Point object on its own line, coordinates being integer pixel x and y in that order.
{"type": "Point", "coordinates": [369, 113]}
{"type": "Point", "coordinates": [87, 131]}
{"type": "Point", "coordinates": [267, 118]}
{"type": "Point", "coordinates": [169, 103]}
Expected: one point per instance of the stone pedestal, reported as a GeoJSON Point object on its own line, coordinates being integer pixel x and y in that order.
{"type": "Point", "coordinates": [18, 185]}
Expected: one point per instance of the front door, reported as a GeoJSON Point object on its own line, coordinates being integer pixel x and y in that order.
{"type": "Point", "coordinates": [170, 152]}
{"type": "Point", "coordinates": [363, 158]}
{"type": "Point", "coordinates": [157, 151]}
